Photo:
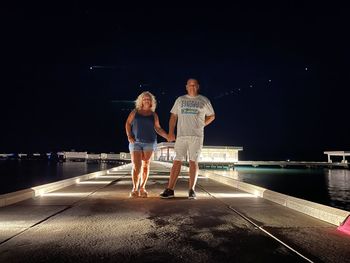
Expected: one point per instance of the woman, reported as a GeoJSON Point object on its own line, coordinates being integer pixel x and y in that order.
{"type": "Point", "coordinates": [141, 127]}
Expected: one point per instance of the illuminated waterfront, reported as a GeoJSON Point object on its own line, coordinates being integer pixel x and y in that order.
{"type": "Point", "coordinates": [21, 174]}
{"type": "Point", "coordinates": [325, 186]}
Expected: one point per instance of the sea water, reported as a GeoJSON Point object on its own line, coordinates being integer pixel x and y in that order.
{"type": "Point", "coordinates": [325, 186]}
{"type": "Point", "coordinates": [21, 174]}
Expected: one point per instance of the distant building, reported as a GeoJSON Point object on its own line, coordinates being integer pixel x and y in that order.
{"type": "Point", "coordinates": [210, 154]}
{"type": "Point", "coordinates": [93, 157]}
{"type": "Point", "coordinates": [342, 154]}
{"type": "Point", "coordinates": [72, 156]}
{"type": "Point", "coordinates": [125, 156]}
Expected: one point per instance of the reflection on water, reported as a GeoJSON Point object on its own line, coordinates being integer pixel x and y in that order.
{"type": "Point", "coordinates": [324, 186]}
{"type": "Point", "coordinates": [339, 188]}
{"type": "Point", "coordinates": [21, 174]}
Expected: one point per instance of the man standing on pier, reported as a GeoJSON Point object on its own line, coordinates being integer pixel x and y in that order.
{"type": "Point", "coordinates": [192, 112]}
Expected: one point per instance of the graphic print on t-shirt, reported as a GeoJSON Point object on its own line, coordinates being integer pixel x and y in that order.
{"type": "Point", "coordinates": [190, 107]}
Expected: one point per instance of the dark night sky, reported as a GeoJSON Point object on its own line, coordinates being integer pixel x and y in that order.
{"type": "Point", "coordinates": [251, 61]}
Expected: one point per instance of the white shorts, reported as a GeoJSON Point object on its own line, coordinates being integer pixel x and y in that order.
{"type": "Point", "coordinates": [188, 144]}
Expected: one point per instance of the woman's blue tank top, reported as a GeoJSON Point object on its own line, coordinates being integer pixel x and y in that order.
{"type": "Point", "coordinates": [143, 128]}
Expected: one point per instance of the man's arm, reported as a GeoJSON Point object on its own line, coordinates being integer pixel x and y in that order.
{"type": "Point", "coordinates": [209, 119]}
{"type": "Point", "coordinates": [172, 124]}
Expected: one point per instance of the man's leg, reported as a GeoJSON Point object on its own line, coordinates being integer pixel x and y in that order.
{"type": "Point", "coordinates": [195, 148]}
{"type": "Point", "coordinates": [174, 174]}
{"type": "Point", "coordinates": [193, 174]}
{"type": "Point", "coordinates": [180, 151]}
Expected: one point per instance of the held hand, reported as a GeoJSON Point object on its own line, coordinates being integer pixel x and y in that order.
{"type": "Point", "coordinates": [171, 137]}
{"type": "Point", "coordinates": [166, 137]}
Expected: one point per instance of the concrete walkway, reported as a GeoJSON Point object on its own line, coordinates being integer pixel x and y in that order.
{"type": "Point", "coordinates": [95, 221]}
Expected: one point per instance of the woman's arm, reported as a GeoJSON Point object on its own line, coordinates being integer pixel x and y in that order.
{"type": "Point", "coordinates": [158, 128]}
{"type": "Point", "coordinates": [128, 122]}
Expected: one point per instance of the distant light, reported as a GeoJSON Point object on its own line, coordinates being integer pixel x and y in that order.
{"type": "Point", "coordinates": [91, 68]}
{"type": "Point", "coordinates": [269, 80]}
{"type": "Point", "coordinates": [306, 69]}
{"type": "Point", "coordinates": [239, 89]}
{"type": "Point", "coordinates": [251, 86]}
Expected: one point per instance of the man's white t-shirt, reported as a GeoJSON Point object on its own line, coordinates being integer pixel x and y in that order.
{"type": "Point", "coordinates": [191, 112]}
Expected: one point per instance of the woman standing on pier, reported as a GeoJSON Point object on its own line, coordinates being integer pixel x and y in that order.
{"type": "Point", "coordinates": [141, 127]}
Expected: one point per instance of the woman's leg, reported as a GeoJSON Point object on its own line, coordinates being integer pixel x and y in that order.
{"type": "Point", "coordinates": [146, 157]}
{"type": "Point", "coordinates": [136, 157]}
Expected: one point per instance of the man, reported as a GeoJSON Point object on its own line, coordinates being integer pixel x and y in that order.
{"type": "Point", "coordinates": [192, 112]}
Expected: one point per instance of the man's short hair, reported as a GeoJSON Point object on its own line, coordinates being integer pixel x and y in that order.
{"type": "Point", "coordinates": [193, 80]}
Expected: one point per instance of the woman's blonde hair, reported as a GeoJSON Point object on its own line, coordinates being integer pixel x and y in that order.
{"type": "Point", "coordinates": [138, 101]}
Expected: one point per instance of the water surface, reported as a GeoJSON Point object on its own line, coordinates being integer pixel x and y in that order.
{"type": "Point", "coordinates": [325, 186]}
{"type": "Point", "coordinates": [21, 174]}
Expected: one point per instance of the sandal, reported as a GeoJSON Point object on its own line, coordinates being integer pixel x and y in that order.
{"type": "Point", "coordinates": [143, 193]}
{"type": "Point", "coordinates": [134, 194]}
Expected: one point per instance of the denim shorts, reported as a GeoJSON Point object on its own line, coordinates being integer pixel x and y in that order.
{"type": "Point", "coordinates": [142, 146]}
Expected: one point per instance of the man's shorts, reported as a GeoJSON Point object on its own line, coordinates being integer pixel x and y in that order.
{"type": "Point", "coordinates": [188, 144]}
{"type": "Point", "coordinates": [143, 146]}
